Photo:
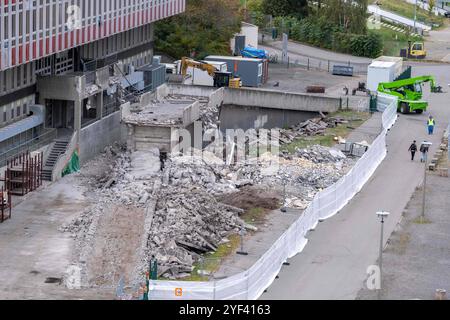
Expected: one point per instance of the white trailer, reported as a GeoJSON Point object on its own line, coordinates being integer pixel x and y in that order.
{"type": "Point", "coordinates": [199, 77]}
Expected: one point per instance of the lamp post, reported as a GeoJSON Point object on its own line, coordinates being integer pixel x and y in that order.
{"type": "Point", "coordinates": [415, 15]}
{"type": "Point", "coordinates": [284, 209]}
{"type": "Point", "coordinates": [383, 215]}
{"type": "Point", "coordinates": [426, 145]}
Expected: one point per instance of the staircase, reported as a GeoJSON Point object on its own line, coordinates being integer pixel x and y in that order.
{"type": "Point", "coordinates": [58, 149]}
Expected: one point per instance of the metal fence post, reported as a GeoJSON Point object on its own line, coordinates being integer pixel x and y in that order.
{"type": "Point", "coordinates": [308, 63]}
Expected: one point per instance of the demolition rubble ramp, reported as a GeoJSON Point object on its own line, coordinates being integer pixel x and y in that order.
{"type": "Point", "coordinates": [250, 284]}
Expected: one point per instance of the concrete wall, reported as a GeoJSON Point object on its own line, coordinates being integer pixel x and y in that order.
{"type": "Point", "coordinates": [281, 100]}
{"type": "Point", "coordinates": [238, 117]}
{"type": "Point", "coordinates": [215, 95]}
{"type": "Point", "coordinates": [95, 137]}
{"type": "Point", "coordinates": [357, 103]}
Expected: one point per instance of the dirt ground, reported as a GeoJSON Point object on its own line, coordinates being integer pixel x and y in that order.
{"type": "Point", "coordinates": [36, 256]}
{"type": "Point", "coordinates": [416, 259]}
{"type": "Point", "coordinates": [115, 248]}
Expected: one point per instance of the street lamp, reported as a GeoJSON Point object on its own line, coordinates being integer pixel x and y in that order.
{"type": "Point", "coordinates": [425, 147]}
{"type": "Point", "coordinates": [382, 215]}
{"type": "Point", "coordinates": [415, 15]}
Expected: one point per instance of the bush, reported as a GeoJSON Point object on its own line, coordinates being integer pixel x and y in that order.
{"type": "Point", "coordinates": [369, 45]}
{"type": "Point", "coordinates": [323, 33]}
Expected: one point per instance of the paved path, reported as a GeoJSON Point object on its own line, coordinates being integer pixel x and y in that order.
{"type": "Point", "coordinates": [334, 263]}
{"type": "Point", "coordinates": [313, 52]}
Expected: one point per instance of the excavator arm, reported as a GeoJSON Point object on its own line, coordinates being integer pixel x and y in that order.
{"type": "Point", "coordinates": [187, 62]}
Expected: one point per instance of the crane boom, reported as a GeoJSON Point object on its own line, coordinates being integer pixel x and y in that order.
{"type": "Point", "coordinates": [409, 92]}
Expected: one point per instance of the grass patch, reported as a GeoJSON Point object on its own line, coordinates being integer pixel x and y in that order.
{"type": "Point", "coordinates": [421, 220]}
{"type": "Point", "coordinates": [213, 260]}
{"type": "Point", "coordinates": [355, 119]}
{"type": "Point", "coordinates": [406, 9]}
{"type": "Point", "coordinates": [255, 215]}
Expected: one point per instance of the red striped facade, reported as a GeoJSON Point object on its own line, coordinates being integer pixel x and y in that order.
{"type": "Point", "coordinates": [23, 40]}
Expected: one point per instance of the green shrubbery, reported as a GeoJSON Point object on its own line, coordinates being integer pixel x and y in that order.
{"type": "Point", "coordinates": [322, 33]}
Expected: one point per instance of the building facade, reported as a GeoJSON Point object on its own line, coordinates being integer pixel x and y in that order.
{"type": "Point", "coordinates": [75, 58]}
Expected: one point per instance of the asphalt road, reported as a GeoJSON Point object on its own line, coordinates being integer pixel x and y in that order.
{"type": "Point", "coordinates": [333, 265]}
{"type": "Point", "coordinates": [303, 50]}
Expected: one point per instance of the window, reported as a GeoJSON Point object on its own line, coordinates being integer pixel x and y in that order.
{"type": "Point", "coordinates": [18, 111]}
{"type": "Point", "coordinates": [12, 113]}
{"type": "Point", "coordinates": [4, 116]}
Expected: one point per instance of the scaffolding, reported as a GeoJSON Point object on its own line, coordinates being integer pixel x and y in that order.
{"type": "Point", "coordinates": [5, 203]}
{"type": "Point", "coordinates": [24, 173]}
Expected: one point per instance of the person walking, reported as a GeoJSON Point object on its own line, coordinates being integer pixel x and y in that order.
{"type": "Point", "coordinates": [423, 150]}
{"type": "Point", "coordinates": [431, 123]}
{"type": "Point", "coordinates": [413, 149]}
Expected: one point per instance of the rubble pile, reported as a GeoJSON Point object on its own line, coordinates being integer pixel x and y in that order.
{"type": "Point", "coordinates": [209, 115]}
{"type": "Point", "coordinates": [186, 223]}
{"type": "Point", "coordinates": [320, 154]}
{"type": "Point", "coordinates": [184, 219]}
{"type": "Point", "coordinates": [309, 127]}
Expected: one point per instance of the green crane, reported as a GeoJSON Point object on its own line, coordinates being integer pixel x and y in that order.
{"type": "Point", "coordinates": [409, 92]}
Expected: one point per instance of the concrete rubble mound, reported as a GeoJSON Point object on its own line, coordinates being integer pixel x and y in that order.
{"type": "Point", "coordinates": [209, 115]}
{"type": "Point", "coordinates": [309, 127]}
{"type": "Point", "coordinates": [184, 219]}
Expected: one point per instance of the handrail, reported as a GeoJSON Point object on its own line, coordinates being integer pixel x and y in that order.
{"type": "Point", "coordinates": [30, 145]}
{"type": "Point", "coordinates": [64, 158]}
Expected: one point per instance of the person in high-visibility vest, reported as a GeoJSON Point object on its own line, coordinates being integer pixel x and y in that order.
{"type": "Point", "coordinates": [431, 123]}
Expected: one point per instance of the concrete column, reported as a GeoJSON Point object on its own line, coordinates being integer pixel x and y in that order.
{"type": "Point", "coordinates": [100, 105]}
{"type": "Point", "coordinates": [77, 115]}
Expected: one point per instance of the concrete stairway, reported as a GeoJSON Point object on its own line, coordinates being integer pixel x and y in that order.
{"type": "Point", "coordinates": [58, 148]}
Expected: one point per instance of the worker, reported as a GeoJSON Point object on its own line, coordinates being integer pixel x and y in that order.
{"type": "Point", "coordinates": [413, 149]}
{"type": "Point", "coordinates": [431, 123]}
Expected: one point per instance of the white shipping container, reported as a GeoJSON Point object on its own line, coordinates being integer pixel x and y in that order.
{"type": "Point", "coordinates": [397, 60]}
{"type": "Point", "coordinates": [380, 71]}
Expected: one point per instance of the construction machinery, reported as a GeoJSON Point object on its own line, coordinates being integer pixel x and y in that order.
{"type": "Point", "coordinates": [415, 50]}
{"type": "Point", "coordinates": [409, 92]}
{"type": "Point", "coordinates": [221, 79]}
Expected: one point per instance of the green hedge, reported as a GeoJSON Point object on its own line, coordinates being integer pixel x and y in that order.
{"type": "Point", "coordinates": [324, 34]}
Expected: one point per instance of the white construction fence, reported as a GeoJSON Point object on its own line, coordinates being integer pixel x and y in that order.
{"type": "Point", "coordinates": [250, 284]}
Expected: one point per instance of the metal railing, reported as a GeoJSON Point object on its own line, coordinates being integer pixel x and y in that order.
{"type": "Point", "coordinates": [31, 145]}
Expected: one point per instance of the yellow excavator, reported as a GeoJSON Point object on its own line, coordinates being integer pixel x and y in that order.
{"type": "Point", "coordinates": [221, 79]}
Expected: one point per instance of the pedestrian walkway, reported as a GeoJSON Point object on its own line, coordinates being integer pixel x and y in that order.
{"type": "Point", "coordinates": [334, 263]}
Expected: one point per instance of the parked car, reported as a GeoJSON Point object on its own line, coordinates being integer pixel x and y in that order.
{"type": "Point", "coordinates": [447, 14]}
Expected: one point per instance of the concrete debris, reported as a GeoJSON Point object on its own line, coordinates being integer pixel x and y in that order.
{"type": "Point", "coordinates": [320, 154]}
{"type": "Point", "coordinates": [184, 217]}
{"type": "Point", "coordinates": [309, 127]}
{"type": "Point", "coordinates": [209, 115]}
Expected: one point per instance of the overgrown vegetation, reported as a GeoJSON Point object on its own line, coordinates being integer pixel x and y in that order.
{"type": "Point", "coordinates": [211, 262]}
{"type": "Point", "coordinates": [406, 9]}
{"type": "Point", "coordinates": [331, 24]}
{"type": "Point", "coordinates": [205, 28]}
{"type": "Point", "coordinates": [355, 120]}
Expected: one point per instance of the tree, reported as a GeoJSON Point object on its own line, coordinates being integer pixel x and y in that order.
{"type": "Point", "coordinates": [205, 28]}
{"type": "Point", "coordinates": [349, 16]}
{"type": "Point", "coordinates": [284, 8]}
{"type": "Point", "coordinates": [431, 6]}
